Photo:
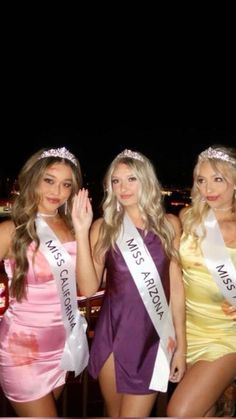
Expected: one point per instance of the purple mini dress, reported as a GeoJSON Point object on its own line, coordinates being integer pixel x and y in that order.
{"type": "Point", "coordinates": [124, 326]}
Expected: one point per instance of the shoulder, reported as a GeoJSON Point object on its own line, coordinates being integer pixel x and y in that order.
{"type": "Point", "coordinates": [96, 226]}
{"type": "Point", "coordinates": [183, 212]}
{"type": "Point", "coordinates": [94, 231]}
{"type": "Point", "coordinates": [97, 223]}
{"type": "Point", "coordinates": [175, 221]}
{"type": "Point", "coordinates": [7, 228]}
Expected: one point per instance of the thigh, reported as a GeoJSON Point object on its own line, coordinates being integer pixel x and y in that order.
{"type": "Point", "coordinates": [201, 387]}
{"type": "Point", "coordinates": [137, 405]}
{"type": "Point", "coordinates": [107, 381]}
{"type": "Point", "coordinates": [57, 392]}
{"type": "Point", "coordinates": [122, 405]}
{"type": "Point", "coordinates": [45, 406]}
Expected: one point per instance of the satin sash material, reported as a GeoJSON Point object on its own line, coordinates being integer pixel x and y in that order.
{"type": "Point", "coordinates": [148, 282]}
{"type": "Point", "coordinates": [76, 353]}
{"type": "Point", "coordinates": [218, 259]}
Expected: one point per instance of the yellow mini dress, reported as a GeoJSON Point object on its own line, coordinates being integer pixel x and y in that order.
{"type": "Point", "coordinates": [211, 330]}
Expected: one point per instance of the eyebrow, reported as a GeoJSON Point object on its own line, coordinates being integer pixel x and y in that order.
{"type": "Point", "coordinates": [53, 176]}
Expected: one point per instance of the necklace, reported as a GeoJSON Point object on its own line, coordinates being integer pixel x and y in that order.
{"type": "Point", "coordinates": [41, 214]}
{"type": "Point", "coordinates": [222, 209]}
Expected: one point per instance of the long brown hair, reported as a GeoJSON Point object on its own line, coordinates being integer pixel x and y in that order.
{"type": "Point", "coordinates": [25, 208]}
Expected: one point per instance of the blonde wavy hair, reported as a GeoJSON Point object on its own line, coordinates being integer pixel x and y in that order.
{"type": "Point", "coordinates": [25, 209]}
{"type": "Point", "coordinates": [150, 203]}
{"type": "Point", "coordinates": [223, 161]}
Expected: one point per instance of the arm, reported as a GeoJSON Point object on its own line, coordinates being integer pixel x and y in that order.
{"type": "Point", "coordinates": [177, 301]}
{"type": "Point", "coordinates": [88, 272]}
{"type": "Point", "coordinates": [7, 230]}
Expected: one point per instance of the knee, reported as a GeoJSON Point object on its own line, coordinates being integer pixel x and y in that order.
{"type": "Point", "coordinates": [171, 410]}
{"type": "Point", "coordinates": [175, 409]}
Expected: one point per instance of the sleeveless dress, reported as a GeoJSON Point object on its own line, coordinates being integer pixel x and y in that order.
{"type": "Point", "coordinates": [32, 334]}
{"type": "Point", "coordinates": [211, 333]}
{"type": "Point", "coordinates": [124, 326]}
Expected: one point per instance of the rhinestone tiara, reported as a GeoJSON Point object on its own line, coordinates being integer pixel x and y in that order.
{"type": "Point", "coordinates": [130, 154]}
{"type": "Point", "coordinates": [215, 153]}
{"type": "Point", "coordinates": [62, 152]}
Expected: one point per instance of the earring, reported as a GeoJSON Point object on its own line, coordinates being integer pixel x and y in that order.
{"type": "Point", "coordinates": [117, 206]}
{"type": "Point", "coordinates": [66, 208]}
{"type": "Point", "coordinates": [203, 199]}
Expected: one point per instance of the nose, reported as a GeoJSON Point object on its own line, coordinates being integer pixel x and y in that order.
{"type": "Point", "coordinates": [56, 189]}
{"type": "Point", "coordinates": [123, 186]}
{"type": "Point", "coordinates": [209, 187]}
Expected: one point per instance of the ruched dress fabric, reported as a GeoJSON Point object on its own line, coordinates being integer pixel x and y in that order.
{"type": "Point", "coordinates": [124, 327]}
{"type": "Point", "coordinates": [32, 334]}
{"type": "Point", "coordinates": [211, 333]}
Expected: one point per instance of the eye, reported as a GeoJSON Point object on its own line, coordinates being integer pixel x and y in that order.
{"type": "Point", "coordinates": [200, 181]}
{"type": "Point", "coordinates": [48, 180]}
{"type": "Point", "coordinates": [219, 179]}
{"type": "Point", "coordinates": [132, 179]}
{"type": "Point", "coordinates": [67, 185]}
{"type": "Point", "coordinates": [114, 181]}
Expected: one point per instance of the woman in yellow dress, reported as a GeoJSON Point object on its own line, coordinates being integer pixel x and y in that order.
{"type": "Point", "coordinates": [208, 255]}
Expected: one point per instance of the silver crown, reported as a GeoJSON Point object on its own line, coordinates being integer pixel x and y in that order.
{"type": "Point", "coordinates": [62, 152]}
{"type": "Point", "coordinates": [215, 153]}
{"type": "Point", "coordinates": [130, 154]}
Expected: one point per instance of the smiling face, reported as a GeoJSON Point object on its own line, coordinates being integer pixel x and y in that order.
{"type": "Point", "coordinates": [216, 185]}
{"type": "Point", "coordinates": [55, 187]}
{"type": "Point", "coordinates": [125, 185]}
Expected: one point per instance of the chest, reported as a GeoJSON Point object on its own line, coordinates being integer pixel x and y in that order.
{"type": "Point", "coordinates": [228, 230]}
{"type": "Point", "coordinates": [62, 231]}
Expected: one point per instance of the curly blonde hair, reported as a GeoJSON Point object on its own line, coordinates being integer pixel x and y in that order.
{"type": "Point", "coordinates": [223, 161]}
{"type": "Point", "coordinates": [25, 209]}
{"type": "Point", "coordinates": [150, 202]}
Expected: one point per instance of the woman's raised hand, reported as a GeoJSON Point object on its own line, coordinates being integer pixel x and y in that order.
{"type": "Point", "coordinates": [82, 213]}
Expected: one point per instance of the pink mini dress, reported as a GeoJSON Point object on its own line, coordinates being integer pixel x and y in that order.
{"type": "Point", "coordinates": [32, 334]}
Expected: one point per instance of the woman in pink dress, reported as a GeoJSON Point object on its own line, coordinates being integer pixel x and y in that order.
{"type": "Point", "coordinates": [38, 247]}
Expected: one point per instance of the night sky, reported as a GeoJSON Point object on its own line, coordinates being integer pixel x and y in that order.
{"type": "Point", "coordinates": [172, 149]}
{"type": "Point", "coordinates": [127, 91]}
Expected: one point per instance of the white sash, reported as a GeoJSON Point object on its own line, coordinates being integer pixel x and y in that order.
{"type": "Point", "coordinates": [148, 282]}
{"type": "Point", "coordinates": [76, 353]}
{"type": "Point", "coordinates": [218, 259]}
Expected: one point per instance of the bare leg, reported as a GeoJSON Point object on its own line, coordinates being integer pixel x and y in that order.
{"type": "Point", "coordinates": [137, 405]}
{"type": "Point", "coordinates": [57, 392]}
{"type": "Point", "coordinates": [46, 406]}
{"type": "Point", "coordinates": [107, 383]}
{"type": "Point", "coordinates": [196, 395]}
{"type": "Point", "coordinates": [122, 405]}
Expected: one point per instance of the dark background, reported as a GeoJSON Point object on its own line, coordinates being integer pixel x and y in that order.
{"type": "Point", "coordinates": [172, 149]}
{"type": "Point", "coordinates": [159, 81]}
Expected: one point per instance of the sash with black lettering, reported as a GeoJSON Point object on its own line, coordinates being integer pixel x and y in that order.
{"type": "Point", "coordinates": [153, 298]}
{"type": "Point", "coordinates": [218, 259]}
{"type": "Point", "coordinates": [76, 353]}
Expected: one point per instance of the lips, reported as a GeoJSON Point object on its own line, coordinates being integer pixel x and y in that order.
{"type": "Point", "coordinates": [53, 200]}
{"type": "Point", "coordinates": [212, 198]}
{"type": "Point", "coordinates": [125, 196]}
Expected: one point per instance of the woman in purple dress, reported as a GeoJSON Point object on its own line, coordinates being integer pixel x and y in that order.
{"type": "Point", "coordinates": [139, 341]}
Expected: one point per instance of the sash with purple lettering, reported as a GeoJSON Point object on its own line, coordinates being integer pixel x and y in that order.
{"type": "Point", "coordinates": [144, 272]}
{"type": "Point", "coordinates": [76, 353]}
{"type": "Point", "coordinates": [218, 259]}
